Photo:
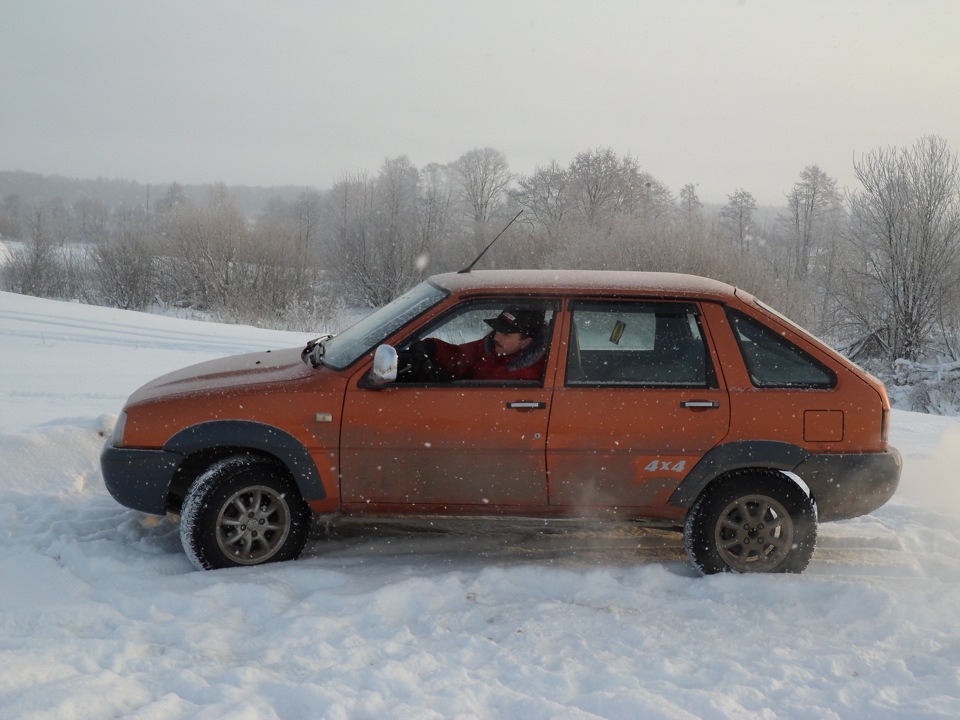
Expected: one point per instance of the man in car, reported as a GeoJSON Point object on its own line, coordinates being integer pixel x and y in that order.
{"type": "Point", "coordinates": [514, 350]}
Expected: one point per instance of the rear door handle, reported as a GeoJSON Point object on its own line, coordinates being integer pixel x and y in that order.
{"type": "Point", "coordinates": [527, 405]}
{"type": "Point", "coordinates": [700, 404]}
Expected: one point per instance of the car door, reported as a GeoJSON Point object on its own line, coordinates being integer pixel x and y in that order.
{"type": "Point", "coordinates": [461, 446]}
{"type": "Point", "coordinates": [640, 404]}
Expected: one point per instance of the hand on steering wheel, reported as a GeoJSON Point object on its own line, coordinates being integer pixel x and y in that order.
{"type": "Point", "coordinates": [416, 363]}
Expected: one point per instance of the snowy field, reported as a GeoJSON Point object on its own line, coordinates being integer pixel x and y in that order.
{"type": "Point", "coordinates": [102, 616]}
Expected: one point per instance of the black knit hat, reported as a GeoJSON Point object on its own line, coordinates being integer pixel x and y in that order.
{"type": "Point", "coordinates": [517, 320]}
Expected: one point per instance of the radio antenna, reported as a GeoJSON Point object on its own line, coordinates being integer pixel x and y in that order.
{"type": "Point", "coordinates": [469, 267]}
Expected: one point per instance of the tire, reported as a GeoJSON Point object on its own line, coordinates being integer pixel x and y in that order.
{"type": "Point", "coordinates": [241, 511]}
{"type": "Point", "coordinates": [751, 522]}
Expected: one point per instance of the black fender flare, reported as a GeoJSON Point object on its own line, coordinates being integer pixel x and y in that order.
{"type": "Point", "coordinates": [768, 454]}
{"type": "Point", "coordinates": [249, 435]}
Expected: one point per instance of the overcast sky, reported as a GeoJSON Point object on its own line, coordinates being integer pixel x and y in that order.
{"type": "Point", "coordinates": [718, 93]}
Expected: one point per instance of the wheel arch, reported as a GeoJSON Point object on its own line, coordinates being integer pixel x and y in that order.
{"type": "Point", "coordinates": [732, 459]}
{"type": "Point", "coordinates": [203, 444]}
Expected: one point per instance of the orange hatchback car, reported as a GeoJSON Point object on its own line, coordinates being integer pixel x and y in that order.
{"type": "Point", "coordinates": [666, 399]}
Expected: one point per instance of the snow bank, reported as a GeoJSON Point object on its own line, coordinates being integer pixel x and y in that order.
{"type": "Point", "coordinates": [102, 615]}
{"type": "Point", "coordinates": [925, 387]}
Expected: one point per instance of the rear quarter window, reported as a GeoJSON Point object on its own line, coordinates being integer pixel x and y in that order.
{"type": "Point", "coordinates": [773, 361]}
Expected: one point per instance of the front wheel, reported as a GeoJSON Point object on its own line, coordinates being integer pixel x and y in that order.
{"type": "Point", "coordinates": [752, 522]}
{"type": "Point", "coordinates": [243, 511]}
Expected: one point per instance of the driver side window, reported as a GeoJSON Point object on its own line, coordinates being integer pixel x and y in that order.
{"type": "Point", "coordinates": [465, 327]}
{"type": "Point", "coordinates": [460, 346]}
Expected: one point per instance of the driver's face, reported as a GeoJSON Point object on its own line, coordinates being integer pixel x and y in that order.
{"type": "Point", "coordinates": [510, 343]}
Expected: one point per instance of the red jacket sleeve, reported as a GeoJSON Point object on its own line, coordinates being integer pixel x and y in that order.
{"type": "Point", "coordinates": [458, 360]}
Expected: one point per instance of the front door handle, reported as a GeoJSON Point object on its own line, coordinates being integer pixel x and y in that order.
{"type": "Point", "coordinates": [527, 405]}
{"type": "Point", "coordinates": [700, 404]}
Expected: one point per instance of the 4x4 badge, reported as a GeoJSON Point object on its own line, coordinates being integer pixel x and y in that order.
{"type": "Point", "coordinates": [665, 466]}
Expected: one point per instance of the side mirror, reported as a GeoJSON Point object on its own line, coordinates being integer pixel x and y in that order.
{"type": "Point", "coordinates": [384, 368]}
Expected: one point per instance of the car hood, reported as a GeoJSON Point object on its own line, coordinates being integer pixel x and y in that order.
{"type": "Point", "coordinates": [235, 374]}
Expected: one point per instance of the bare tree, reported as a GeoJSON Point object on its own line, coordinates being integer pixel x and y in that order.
{"type": "Point", "coordinates": [307, 211]}
{"type": "Point", "coordinates": [605, 188]}
{"type": "Point", "coordinates": [174, 197]}
{"type": "Point", "coordinates": [9, 227]}
{"type": "Point", "coordinates": [435, 222]}
{"type": "Point", "coordinates": [39, 268]}
{"type": "Point", "coordinates": [905, 230]}
{"type": "Point", "coordinates": [545, 194]}
{"type": "Point", "coordinates": [484, 176]}
{"type": "Point", "coordinates": [813, 206]}
{"type": "Point", "coordinates": [395, 220]}
{"type": "Point", "coordinates": [11, 210]}
{"type": "Point", "coordinates": [601, 211]}
{"type": "Point", "coordinates": [206, 249]}
{"type": "Point", "coordinates": [124, 263]}
{"type": "Point", "coordinates": [380, 235]}
{"type": "Point", "coordinates": [347, 237]}
{"type": "Point", "coordinates": [599, 180]}
{"type": "Point", "coordinates": [737, 215]}
{"type": "Point", "coordinates": [92, 219]}
{"type": "Point", "coordinates": [690, 204]}
{"type": "Point", "coordinates": [362, 264]}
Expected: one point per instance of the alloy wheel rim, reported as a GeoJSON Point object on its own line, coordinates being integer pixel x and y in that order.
{"type": "Point", "coordinates": [754, 533]}
{"type": "Point", "coordinates": [253, 524]}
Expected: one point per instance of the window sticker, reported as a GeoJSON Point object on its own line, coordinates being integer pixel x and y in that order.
{"type": "Point", "coordinates": [617, 333]}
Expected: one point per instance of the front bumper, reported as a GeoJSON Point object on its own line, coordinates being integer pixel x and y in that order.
{"type": "Point", "coordinates": [139, 479]}
{"type": "Point", "coordinates": [849, 485]}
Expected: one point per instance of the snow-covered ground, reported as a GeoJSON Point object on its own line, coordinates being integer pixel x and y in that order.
{"type": "Point", "coordinates": [102, 615]}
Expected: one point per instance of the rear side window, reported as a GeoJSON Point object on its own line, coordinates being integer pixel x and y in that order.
{"type": "Point", "coordinates": [645, 344]}
{"type": "Point", "coordinates": [773, 361]}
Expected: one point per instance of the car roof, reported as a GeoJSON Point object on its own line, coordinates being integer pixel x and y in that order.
{"type": "Point", "coordinates": [586, 282]}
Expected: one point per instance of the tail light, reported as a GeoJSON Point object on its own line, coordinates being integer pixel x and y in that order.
{"type": "Point", "coordinates": [117, 438]}
{"type": "Point", "coordinates": [884, 428]}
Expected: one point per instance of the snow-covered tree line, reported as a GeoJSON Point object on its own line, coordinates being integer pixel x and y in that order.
{"type": "Point", "coordinates": [874, 269]}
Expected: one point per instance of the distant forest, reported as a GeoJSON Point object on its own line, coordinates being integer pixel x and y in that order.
{"type": "Point", "coordinates": [875, 270]}
{"type": "Point", "coordinates": [36, 189]}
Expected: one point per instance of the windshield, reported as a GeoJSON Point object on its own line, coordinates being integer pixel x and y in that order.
{"type": "Point", "coordinates": [344, 349]}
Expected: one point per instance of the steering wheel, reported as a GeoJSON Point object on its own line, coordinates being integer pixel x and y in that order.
{"type": "Point", "coordinates": [415, 364]}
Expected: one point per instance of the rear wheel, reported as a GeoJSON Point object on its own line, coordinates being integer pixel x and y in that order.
{"type": "Point", "coordinates": [752, 522]}
{"type": "Point", "coordinates": [243, 511]}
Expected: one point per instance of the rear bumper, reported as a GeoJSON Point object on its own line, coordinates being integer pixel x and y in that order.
{"type": "Point", "coordinates": [850, 485]}
{"type": "Point", "coordinates": [139, 479]}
